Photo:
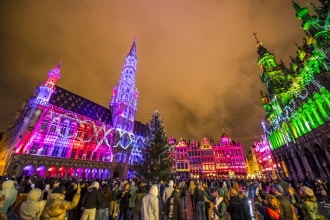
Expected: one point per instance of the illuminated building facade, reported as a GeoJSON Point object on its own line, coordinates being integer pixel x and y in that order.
{"type": "Point", "coordinates": [229, 158]}
{"type": "Point", "coordinates": [57, 133]}
{"type": "Point", "coordinates": [252, 164]}
{"type": "Point", "coordinates": [205, 159]}
{"type": "Point", "coordinates": [181, 159]}
{"type": "Point", "coordinates": [194, 155]}
{"type": "Point", "coordinates": [264, 157]}
{"type": "Point", "coordinates": [297, 100]}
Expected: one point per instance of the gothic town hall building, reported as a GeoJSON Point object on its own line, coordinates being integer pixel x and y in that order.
{"type": "Point", "coordinates": [58, 133]}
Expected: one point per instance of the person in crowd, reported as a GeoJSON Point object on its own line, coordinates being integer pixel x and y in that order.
{"type": "Point", "coordinates": [33, 207]}
{"type": "Point", "coordinates": [235, 208]}
{"type": "Point", "coordinates": [133, 188]}
{"type": "Point", "coordinates": [91, 201]}
{"type": "Point", "coordinates": [168, 191]}
{"type": "Point", "coordinates": [57, 207]}
{"type": "Point", "coordinates": [150, 205]}
{"type": "Point", "coordinates": [70, 191]}
{"type": "Point", "coordinates": [77, 213]}
{"type": "Point", "coordinates": [183, 190]}
{"type": "Point", "coordinates": [208, 199]}
{"type": "Point", "coordinates": [102, 211]}
{"type": "Point", "coordinates": [308, 204]}
{"type": "Point", "coordinates": [199, 198]}
{"type": "Point", "coordinates": [174, 206]}
{"type": "Point", "coordinates": [162, 187]}
{"type": "Point", "coordinates": [286, 207]}
{"type": "Point", "coordinates": [10, 193]}
{"type": "Point", "coordinates": [22, 195]}
{"type": "Point", "coordinates": [219, 205]}
{"type": "Point", "coordinates": [226, 190]}
{"type": "Point", "coordinates": [271, 210]}
{"type": "Point", "coordinates": [321, 190]}
{"type": "Point", "coordinates": [124, 202]}
{"type": "Point", "coordinates": [245, 205]}
{"type": "Point", "coordinates": [293, 197]}
{"type": "Point", "coordinates": [114, 203]}
{"type": "Point", "coordinates": [140, 193]}
{"type": "Point", "coordinates": [191, 190]}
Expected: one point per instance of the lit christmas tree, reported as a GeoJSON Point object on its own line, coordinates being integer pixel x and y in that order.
{"type": "Point", "coordinates": [156, 163]}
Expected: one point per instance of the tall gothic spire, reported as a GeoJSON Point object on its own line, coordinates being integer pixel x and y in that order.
{"type": "Point", "coordinates": [125, 95]}
{"type": "Point", "coordinates": [132, 52]}
{"type": "Point", "coordinates": [261, 50]}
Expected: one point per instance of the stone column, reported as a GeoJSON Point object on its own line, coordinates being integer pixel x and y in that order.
{"type": "Point", "coordinates": [308, 169]}
{"type": "Point", "coordinates": [292, 174]}
{"type": "Point", "coordinates": [300, 174]}
{"type": "Point", "coordinates": [319, 166]}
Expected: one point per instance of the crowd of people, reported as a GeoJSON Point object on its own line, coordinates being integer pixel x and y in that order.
{"type": "Point", "coordinates": [72, 199]}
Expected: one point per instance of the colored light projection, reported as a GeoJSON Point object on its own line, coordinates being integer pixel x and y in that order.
{"type": "Point", "coordinates": [297, 99]}
{"type": "Point", "coordinates": [59, 133]}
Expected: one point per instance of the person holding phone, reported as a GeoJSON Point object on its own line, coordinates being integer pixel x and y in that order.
{"type": "Point", "coordinates": [57, 206]}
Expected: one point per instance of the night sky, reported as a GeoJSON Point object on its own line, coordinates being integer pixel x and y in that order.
{"type": "Point", "coordinates": [197, 60]}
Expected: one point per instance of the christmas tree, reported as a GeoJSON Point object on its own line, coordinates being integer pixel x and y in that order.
{"type": "Point", "coordinates": [156, 163]}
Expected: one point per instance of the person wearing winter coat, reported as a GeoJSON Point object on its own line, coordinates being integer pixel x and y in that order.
{"type": "Point", "coordinates": [271, 210]}
{"type": "Point", "coordinates": [33, 206]}
{"type": "Point", "coordinates": [57, 206]}
{"type": "Point", "coordinates": [168, 191]}
{"type": "Point", "coordinates": [239, 206]}
{"type": "Point", "coordinates": [219, 206]}
{"type": "Point", "coordinates": [150, 205]}
{"type": "Point", "coordinates": [174, 206]}
{"type": "Point", "coordinates": [191, 191]}
{"type": "Point", "coordinates": [286, 207]}
{"type": "Point", "coordinates": [133, 188]}
{"type": "Point", "coordinates": [10, 193]}
{"type": "Point", "coordinates": [124, 202]}
{"type": "Point", "coordinates": [140, 193]}
{"type": "Point", "coordinates": [308, 204]}
{"type": "Point", "coordinates": [102, 211]}
{"type": "Point", "coordinates": [90, 201]}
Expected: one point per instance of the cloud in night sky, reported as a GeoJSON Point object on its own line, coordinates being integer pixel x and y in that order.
{"type": "Point", "coordinates": [197, 60]}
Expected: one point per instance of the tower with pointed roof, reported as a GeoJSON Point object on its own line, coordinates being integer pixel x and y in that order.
{"type": "Point", "coordinates": [46, 89]}
{"type": "Point", "coordinates": [65, 134]}
{"type": "Point", "coordinates": [125, 95]}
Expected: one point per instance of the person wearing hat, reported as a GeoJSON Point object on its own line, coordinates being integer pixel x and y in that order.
{"type": "Point", "coordinates": [90, 201]}
{"type": "Point", "coordinates": [308, 204]}
{"type": "Point", "coordinates": [219, 206]}
{"type": "Point", "coordinates": [286, 207]}
{"type": "Point", "coordinates": [9, 192]}
{"type": "Point", "coordinates": [57, 206]}
{"type": "Point", "coordinates": [140, 193]}
{"type": "Point", "coordinates": [150, 205]}
{"type": "Point", "coordinates": [33, 206]}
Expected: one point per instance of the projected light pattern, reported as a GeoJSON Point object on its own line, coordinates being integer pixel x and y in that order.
{"type": "Point", "coordinates": [58, 123]}
{"type": "Point", "coordinates": [297, 99]}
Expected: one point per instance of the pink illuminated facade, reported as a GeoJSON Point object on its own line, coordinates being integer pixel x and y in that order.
{"type": "Point", "coordinates": [205, 159]}
{"type": "Point", "coordinates": [265, 158]}
{"type": "Point", "coordinates": [58, 133]}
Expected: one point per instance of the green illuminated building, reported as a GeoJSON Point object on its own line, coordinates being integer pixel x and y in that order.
{"type": "Point", "coordinates": [297, 99]}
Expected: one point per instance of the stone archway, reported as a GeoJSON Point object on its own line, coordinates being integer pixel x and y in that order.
{"type": "Point", "coordinates": [28, 170]}
{"type": "Point", "coordinates": [52, 171]}
{"type": "Point", "coordinates": [62, 172]}
{"type": "Point", "coordinates": [117, 172]}
{"type": "Point", "coordinates": [40, 171]}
